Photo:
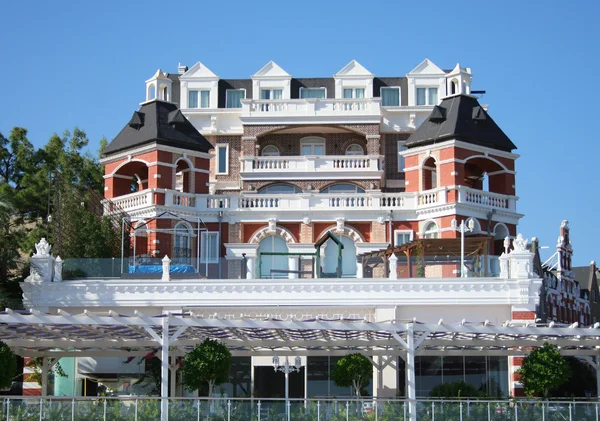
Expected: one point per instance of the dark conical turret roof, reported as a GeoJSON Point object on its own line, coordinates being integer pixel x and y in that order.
{"type": "Point", "coordinates": [161, 122]}
{"type": "Point", "coordinates": [460, 117]}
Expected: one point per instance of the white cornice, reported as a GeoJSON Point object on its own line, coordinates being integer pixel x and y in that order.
{"type": "Point", "coordinates": [459, 144]}
{"type": "Point", "coordinates": [259, 292]}
{"type": "Point", "coordinates": [151, 147]}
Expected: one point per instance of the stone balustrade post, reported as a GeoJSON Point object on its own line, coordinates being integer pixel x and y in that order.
{"type": "Point", "coordinates": [166, 269]}
{"type": "Point", "coordinates": [393, 265]}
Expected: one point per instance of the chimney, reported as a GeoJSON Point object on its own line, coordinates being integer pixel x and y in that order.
{"type": "Point", "coordinates": [181, 69]}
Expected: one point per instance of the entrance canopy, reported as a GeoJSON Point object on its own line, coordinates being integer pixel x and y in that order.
{"type": "Point", "coordinates": [36, 334]}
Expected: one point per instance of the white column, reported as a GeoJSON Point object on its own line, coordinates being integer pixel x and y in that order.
{"type": "Point", "coordinates": [411, 389]}
{"type": "Point", "coordinates": [250, 267]}
{"type": "Point", "coordinates": [44, 376]}
{"type": "Point", "coordinates": [164, 371]}
{"type": "Point", "coordinates": [359, 268]}
{"type": "Point", "coordinates": [293, 267]}
{"type": "Point", "coordinates": [598, 372]}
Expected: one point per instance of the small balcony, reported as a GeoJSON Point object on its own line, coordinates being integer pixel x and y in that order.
{"type": "Point", "coordinates": [339, 167]}
{"type": "Point", "coordinates": [360, 110]}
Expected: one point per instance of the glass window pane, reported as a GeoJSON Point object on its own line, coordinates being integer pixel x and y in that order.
{"type": "Point", "coordinates": [312, 93]}
{"type": "Point", "coordinates": [306, 150]}
{"type": "Point", "coordinates": [319, 149]}
{"type": "Point", "coordinates": [234, 98]}
{"type": "Point", "coordinates": [222, 160]}
{"type": "Point", "coordinates": [453, 369]}
{"type": "Point", "coordinates": [347, 93]}
{"type": "Point", "coordinates": [277, 93]}
{"type": "Point", "coordinates": [265, 94]}
{"type": "Point", "coordinates": [428, 374]}
{"type": "Point", "coordinates": [193, 99]}
{"type": "Point", "coordinates": [432, 96]}
{"type": "Point", "coordinates": [360, 93]}
{"type": "Point", "coordinates": [390, 97]}
{"type": "Point", "coordinates": [421, 96]}
{"type": "Point", "coordinates": [204, 99]}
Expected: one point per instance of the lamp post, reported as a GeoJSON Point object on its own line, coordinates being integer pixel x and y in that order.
{"type": "Point", "coordinates": [286, 369]}
{"type": "Point", "coordinates": [462, 228]}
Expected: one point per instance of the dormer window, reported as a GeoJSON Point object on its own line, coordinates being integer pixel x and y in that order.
{"type": "Point", "coordinates": [204, 99]}
{"type": "Point", "coordinates": [427, 96]}
{"type": "Point", "coordinates": [350, 93]}
{"type": "Point", "coordinates": [234, 98]}
{"type": "Point", "coordinates": [390, 97]}
{"type": "Point", "coordinates": [271, 93]}
{"type": "Point", "coordinates": [318, 93]}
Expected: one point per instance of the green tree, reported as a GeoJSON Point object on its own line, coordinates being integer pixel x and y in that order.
{"type": "Point", "coordinates": [354, 370]}
{"type": "Point", "coordinates": [543, 371]}
{"type": "Point", "coordinates": [582, 380]}
{"type": "Point", "coordinates": [8, 366]}
{"type": "Point", "coordinates": [209, 362]}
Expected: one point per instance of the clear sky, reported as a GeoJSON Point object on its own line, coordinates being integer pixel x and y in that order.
{"type": "Point", "coordinates": [82, 63]}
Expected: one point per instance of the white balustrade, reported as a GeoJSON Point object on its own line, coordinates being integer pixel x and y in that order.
{"type": "Point", "coordinates": [310, 107]}
{"type": "Point", "coordinates": [130, 201]}
{"type": "Point", "coordinates": [484, 198]}
{"type": "Point", "coordinates": [328, 166]}
{"type": "Point", "coordinates": [428, 198]}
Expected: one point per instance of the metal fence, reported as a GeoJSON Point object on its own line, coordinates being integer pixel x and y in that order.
{"type": "Point", "coordinates": [223, 409]}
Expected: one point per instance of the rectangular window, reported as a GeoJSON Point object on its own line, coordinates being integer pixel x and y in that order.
{"type": "Point", "coordinates": [354, 93]}
{"type": "Point", "coordinates": [318, 93]}
{"type": "Point", "coordinates": [234, 98]}
{"type": "Point", "coordinates": [271, 93]}
{"type": "Point", "coordinates": [204, 99]}
{"type": "Point", "coordinates": [209, 247]}
{"type": "Point", "coordinates": [390, 97]}
{"type": "Point", "coordinates": [222, 159]}
{"type": "Point", "coordinates": [427, 96]}
{"type": "Point", "coordinates": [312, 147]}
{"type": "Point", "coordinates": [193, 99]}
{"type": "Point", "coordinates": [401, 147]}
{"type": "Point", "coordinates": [402, 237]}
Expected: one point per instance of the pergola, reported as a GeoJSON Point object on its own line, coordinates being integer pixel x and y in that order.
{"type": "Point", "coordinates": [36, 334]}
{"type": "Point", "coordinates": [434, 247]}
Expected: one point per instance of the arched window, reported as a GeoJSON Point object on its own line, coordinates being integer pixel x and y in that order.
{"type": "Point", "coordinates": [152, 92]}
{"type": "Point", "coordinates": [343, 188]}
{"type": "Point", "coordinates": [453, 87]}
{"type": "Point", "coordinates": [270, 151]}
{"type": "Point", "coordinates": [182, 249]}
{"type": "Point", "coordinates": [348, 256]}
{"type": "Point", "coordinates": [273, 266]}
{"type": "Point", "coordinates": [312, 146]}
{"type": "Point", "coordinates": [430, 174]}
{"type": "Point", "coordinates": [182, 177]}
{"type": "Point", "coordinates": [430, 230]}
{"type": "Point", "coordinates": [355, 150]}
{"type": "Point", "coordinates": [165, 96]}
{"type": "Point", "coordinates": [279, 189]}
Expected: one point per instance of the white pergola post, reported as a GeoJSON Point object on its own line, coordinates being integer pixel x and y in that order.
{"type": "Point", "coordinates": [164, 371]}
{"type": "Point", "coordinates": [173, 382]}
{"type": "Point", "coordinates": [411, 389]}
{"type": "Point", "coordinates": [45, 367]}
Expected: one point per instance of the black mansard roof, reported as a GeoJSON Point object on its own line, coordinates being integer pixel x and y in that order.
{"type": "Point", "coordinates": [461, 117]}
{"type": "Point", "coordinates": [160, 122]}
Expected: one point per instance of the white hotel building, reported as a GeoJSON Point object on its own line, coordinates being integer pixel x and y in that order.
{"type": "Point", "coordinates": [219, 174]}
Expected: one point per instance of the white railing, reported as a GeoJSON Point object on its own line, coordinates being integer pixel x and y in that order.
{"type": "Point", "coordinates": [305, 201]}
{"type": "Point", "coordinates": [130, 201]}
{"type": "Point", "coordinates": [327, 166]}
{"type": "Point", "coordinates": [484, 198]}
{"type": "Point", "coordinates": [310, 107]}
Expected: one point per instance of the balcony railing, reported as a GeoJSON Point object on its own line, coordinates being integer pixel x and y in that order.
{"type": "Point", "coordinates": [251, 202]}
{"type": "Point", "coordinates": [311, 107]}
{"type": "Point", "coordinates": [331, 166]}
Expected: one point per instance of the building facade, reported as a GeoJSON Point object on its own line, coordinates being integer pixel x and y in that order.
{"type": "Point", "coordinates": [233, 182]}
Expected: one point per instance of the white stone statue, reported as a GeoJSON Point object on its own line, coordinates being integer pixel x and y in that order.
{"type": "Point", "coordinates": [506, 244]}
{"type": "Point", "coordinates": [339, 222]}
{"type": "Point", "coordinates": [520, 243]}
{"type": "Point", "coordinates": [42, 248]}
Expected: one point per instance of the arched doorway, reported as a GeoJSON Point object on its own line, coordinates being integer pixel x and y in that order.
{"type": "Point", "coordinates": [273, 266]}
{"type": "Point", "coordinates": [348, 256]}
{"type": "Point", "coordinates": [430, 174]}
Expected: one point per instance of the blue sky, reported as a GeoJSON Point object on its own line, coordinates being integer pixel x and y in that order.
{"type": "Point", "coordinates": [74, 63]}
